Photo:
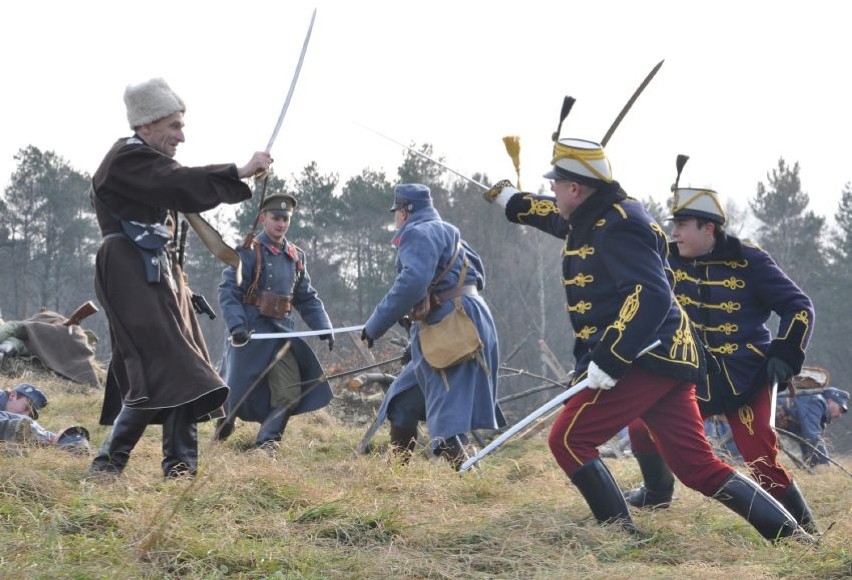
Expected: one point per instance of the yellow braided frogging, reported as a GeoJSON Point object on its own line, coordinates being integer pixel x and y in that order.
{"type": "Point", "coordinates": [627, 312]}
{"type": "Point", "coordinates": [733, 282]}
{"type": "Point", "coordinates": [582, 307]}
{"type": "Point", "coordinates": [683, 347]}
{"type": "Point", "coordinates": [580, 280]}
{"type": "Point", "coordinates": [727, 348]}
{"type": "Point", "coordinates": [628, 309]}
{"type": "Point", "coordinates": [746, 415]}
{"type": "Point", "coordinates": [584, 251]}
{"type": "Point", "coordinates": [538, 207]}
{"type": "Point", "coordinates": [727, 328]}
{"type": "Point", "coordinates": [729, 306]}
{"type": "Point", "coordinates": [586, 332]}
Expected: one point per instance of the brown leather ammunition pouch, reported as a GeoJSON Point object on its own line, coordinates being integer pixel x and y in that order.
{"type": "Point", "coordinates": [273, 305]}
{"type": "Point", "coordinates": [269, 304]}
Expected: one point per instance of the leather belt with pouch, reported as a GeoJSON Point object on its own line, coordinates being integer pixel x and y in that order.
{"type": "Point", "coordinates": [469, 290]}
{"type": "Point", "coordinates": [269, 304]}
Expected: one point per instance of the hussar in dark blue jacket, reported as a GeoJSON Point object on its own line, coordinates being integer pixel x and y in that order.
{"type": "Point", "coordinates": [730, 288]}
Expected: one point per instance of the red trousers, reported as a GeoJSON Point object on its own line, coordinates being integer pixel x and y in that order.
{"type": "Point", "coordinates": [756, 441]}
{"type": "Point", "coordinates": [668, 406]}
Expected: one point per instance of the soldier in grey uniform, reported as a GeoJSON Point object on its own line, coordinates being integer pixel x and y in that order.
{"type": "Point", "coordinates": [275, 281]}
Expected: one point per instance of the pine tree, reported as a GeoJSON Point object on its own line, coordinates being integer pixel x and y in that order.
{"type": "Point", "coordinates": [788, 230]}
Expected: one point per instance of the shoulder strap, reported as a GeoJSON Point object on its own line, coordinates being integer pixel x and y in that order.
{"type": "Point", "coordinates": [448, 267]}
{"type": "Point", "coordinates": [258, 266]}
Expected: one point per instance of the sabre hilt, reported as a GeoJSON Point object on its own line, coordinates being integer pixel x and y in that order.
{"type": "Point", "coordinates": [250, 235]}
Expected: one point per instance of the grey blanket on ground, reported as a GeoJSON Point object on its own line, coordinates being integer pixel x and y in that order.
{"type": "Point", "coordinates": [63, 349]}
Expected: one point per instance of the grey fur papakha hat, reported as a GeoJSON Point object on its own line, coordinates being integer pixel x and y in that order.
{"type": "Point", "coordinates": [151, 101]}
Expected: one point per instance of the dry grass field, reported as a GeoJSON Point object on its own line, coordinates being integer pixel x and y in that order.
{"type": "Point", "coordinates": [317, 510]}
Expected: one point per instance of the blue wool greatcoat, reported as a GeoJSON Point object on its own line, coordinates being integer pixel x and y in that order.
{"type": "Point", "coordinates": [808, 415]}
{"type": "Point", "coordinates": [425, 245]}
{"type": "Point", "coordinates": [614, 273]}
{"type": "Point", "coordinates": [284, 272]}
{"type": "Point", "coordinates": [729, 295]}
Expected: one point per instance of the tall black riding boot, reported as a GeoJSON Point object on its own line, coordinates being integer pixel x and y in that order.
{"type": "Point", "coordinates": [403, 440]}
{"type": "Point", "coordinates": [126, 432]}
{"type": "Point", "coordinates": [602, 494]}
{"type": "Point", "coordinates": [223, 429]}
{"type": "Point", "coordinates": [761, 510]}
{"type": "Point", "coordinates": [273, 426]}
{"type": "Point", "coordinates": [795, 503]}
{"type": "Point", "coordinates": [180, 443]}
{"type": "Point", "coordinates": [658, 485]}
{"type": "Point", "coordinates": [454, 450]}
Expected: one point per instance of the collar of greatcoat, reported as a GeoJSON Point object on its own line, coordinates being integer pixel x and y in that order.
{"type": "Point", "coordinates": [421, 215]}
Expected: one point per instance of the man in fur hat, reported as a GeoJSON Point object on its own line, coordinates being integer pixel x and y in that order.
{"type": "Point", "coordinates": [619, 302]}
{"type": "Point", "coordinates": [160, 371]}
{"type": "Point", "coordinates": [729, 288]}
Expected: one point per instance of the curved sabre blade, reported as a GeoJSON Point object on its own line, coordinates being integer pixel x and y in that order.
{"type": "Point", "coordinates": [292, 83]}
{"type": "Point", "coordinates": [424, 156]}
{"type": "Point", "coordinates": [629, 104]}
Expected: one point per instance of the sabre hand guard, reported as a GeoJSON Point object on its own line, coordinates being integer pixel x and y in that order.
{"type": "Point", "coordinates": [500, 193]}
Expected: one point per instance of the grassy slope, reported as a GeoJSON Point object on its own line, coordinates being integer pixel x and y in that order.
{"type": "Point", "coordinates": [317, 510]}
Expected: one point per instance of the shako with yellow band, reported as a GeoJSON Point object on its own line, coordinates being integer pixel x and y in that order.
{"type": "Point", "coordinates": [580, 160]}
{"type": "Point", "coordinates": [699, 203]}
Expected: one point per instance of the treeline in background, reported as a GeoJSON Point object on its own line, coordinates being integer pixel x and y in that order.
{"type": "Point", "coordinates": [49, 238]}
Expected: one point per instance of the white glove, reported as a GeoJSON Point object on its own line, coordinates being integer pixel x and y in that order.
{"type": "Point", "coordinates": [500, 193]}
{"type": "Point", "coordinates": [598, 379]}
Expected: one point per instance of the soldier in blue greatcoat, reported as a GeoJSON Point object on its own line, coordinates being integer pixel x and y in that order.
{"type": "Point", "coordinates": [806, 416]}
{"type": "Point", "coordinates": [455, 400]}
{"type": "Point", "coordinates": [274, 281]}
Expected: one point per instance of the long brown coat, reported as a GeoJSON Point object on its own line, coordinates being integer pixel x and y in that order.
{"type": "Point", "coordinates": [159, 358]}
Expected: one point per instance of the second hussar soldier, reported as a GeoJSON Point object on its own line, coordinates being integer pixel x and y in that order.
{"type": "Point", "coordinates": [729, 288]}
{"type": "Point", "coordinates": [275, 282]}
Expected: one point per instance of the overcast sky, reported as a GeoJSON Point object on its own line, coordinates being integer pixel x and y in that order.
{"type": "Point", "coordinates": [743, 84]}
